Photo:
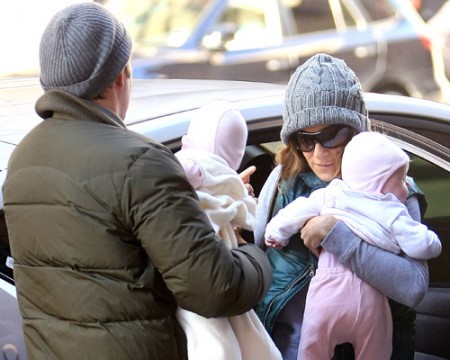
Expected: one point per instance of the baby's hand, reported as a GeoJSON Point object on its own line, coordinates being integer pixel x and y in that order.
{"type": "Point", "coordinates": [270, 242]}
{"type": "Point", "coordinates": [250, 191]}
{"type": "Point", "coordinates": [245, 175]}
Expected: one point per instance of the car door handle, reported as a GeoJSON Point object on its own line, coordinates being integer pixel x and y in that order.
{"type": "Point", "coordinates": [365, 51]}
{"type": "Point", "coordinates": [278, 64]}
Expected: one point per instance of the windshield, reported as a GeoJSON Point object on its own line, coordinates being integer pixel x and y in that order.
{"type": "Point", "coordinates": [161, 22]}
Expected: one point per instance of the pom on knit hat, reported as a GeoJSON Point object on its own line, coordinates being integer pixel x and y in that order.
{"type": "Point", "coordinates": [369, 160]}
{"type": "Point", "coordinates": [82, 50]}
{"type": "Point", "coordinates": [323, 91]}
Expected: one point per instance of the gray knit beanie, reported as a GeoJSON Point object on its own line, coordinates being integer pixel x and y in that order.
{"type": "Point", "coordinates": [323, 91]}
{"type": "Point", "coordinates": [83, 49]}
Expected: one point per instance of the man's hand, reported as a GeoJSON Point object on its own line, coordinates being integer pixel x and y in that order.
{"type": "Point", "coordinates": [315, 230]}
{"type": "Point", "coordinates": [240, 239]}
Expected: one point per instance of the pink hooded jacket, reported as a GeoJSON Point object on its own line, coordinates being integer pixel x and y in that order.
{"type": "Point", "coordinates": [216, 128]}
{"type": "Point", "coordinates": [361, 166]}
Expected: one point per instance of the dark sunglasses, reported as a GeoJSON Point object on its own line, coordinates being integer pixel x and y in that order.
{"type": "Point", "coordinates": [331, 137]}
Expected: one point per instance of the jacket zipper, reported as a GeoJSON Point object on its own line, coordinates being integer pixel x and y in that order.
{"type": "Point", "coordinates": [309, 272]}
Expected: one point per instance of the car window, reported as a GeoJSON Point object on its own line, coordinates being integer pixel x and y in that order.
{"type": "Point", "coordinates": [378, 10]}
{"type": "Point", "coordinates": [348, 13]}
{"type": "Point", "coordinates": [243, 15]}
{"type": "Point", "coordinates": [312, 15]}
{"type": "Point", "coordinates": [247, 24]}
{"type": "Point", "coordinates": [163, 22]}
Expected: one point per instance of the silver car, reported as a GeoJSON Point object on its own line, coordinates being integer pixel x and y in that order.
{"type": "Point", "coordinates": [161, 109]}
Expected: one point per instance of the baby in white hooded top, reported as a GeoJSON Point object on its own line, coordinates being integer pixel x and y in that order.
{"type": "Point", "coordinates": [211, 152]}
{"type": "Point", "coordinates": [370, 199]}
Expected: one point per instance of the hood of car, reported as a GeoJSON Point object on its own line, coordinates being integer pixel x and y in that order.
{"type": "Point", "coordinates": [17, 115]}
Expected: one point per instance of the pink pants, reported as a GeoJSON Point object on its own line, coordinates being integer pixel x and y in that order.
{"type": "Point", "coordinates": [341, 308]}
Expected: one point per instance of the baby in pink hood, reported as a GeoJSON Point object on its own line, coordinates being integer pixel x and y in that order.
{"type": "Point", "coordinates": [211, 153]}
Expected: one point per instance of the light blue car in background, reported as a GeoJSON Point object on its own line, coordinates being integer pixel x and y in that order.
{"type": "Point", "coordinates": [387, 43]}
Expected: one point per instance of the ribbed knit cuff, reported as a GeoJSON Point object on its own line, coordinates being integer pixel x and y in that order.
{"type": "Point", "coordinates": [341, 242]}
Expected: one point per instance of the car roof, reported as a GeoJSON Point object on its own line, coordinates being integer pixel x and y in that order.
{"type": "Point", "coordinates": [162, 107]}
{"type": "Point", "coordinates": [164, 97]}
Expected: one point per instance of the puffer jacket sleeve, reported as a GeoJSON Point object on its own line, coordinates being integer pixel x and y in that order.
{"type": "Point", "coordinates": [204, 276]}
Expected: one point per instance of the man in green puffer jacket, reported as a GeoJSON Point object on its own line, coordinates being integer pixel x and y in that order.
{"type": "Point", "coordinates": [106, 232]}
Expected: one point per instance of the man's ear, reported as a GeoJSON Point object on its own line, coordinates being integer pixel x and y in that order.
{"type": "Point", "coordinates": [120, 79]}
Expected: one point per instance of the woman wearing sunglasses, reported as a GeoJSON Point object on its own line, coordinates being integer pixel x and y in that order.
{"type": "Point", "coordinates": [323, 109]}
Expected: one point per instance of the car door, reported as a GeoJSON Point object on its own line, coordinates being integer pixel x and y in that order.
{"type": "Point", "coordinates": [430, 167]}
{"type": "Point", "coordinates": [338, 28]}
{"type": "Point", "coordinates": [250, 45]}
{"type": "Point", "coordinates": [271, 52]}
{"type": "Point", "coordinates": [433, 319]}
{"type": "Point", "coordinates": [231, 40]}
{"type": "Point", "coordinates": [12, 343]}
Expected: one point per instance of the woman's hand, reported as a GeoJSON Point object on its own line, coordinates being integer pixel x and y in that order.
{"type": "Point", "coordinates": [315, 230]}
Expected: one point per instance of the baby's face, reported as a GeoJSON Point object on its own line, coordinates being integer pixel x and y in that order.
{"type": "Point", "coordinates": [397, 185]}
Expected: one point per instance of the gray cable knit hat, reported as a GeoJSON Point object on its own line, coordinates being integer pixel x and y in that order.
{"type": "Point", "coordinates": [323, 91]}
{"type": "Point", "coordinates": [82, 50]}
